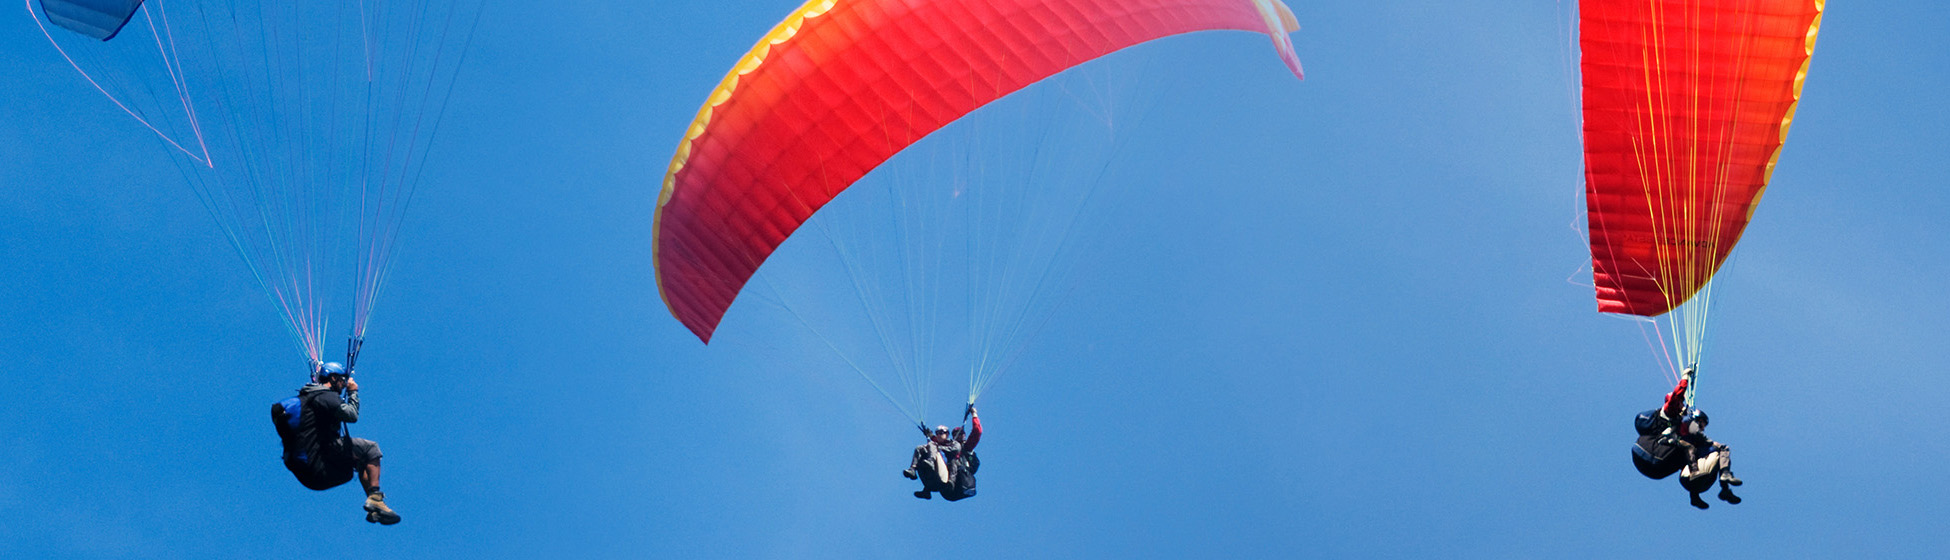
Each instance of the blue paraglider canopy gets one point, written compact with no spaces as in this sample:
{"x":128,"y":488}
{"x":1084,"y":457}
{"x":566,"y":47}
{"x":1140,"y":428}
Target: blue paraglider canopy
{"x":100,"y":19}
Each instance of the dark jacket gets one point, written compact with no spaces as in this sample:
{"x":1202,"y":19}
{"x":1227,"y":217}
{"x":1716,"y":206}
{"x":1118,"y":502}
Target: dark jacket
{"x":313,"y":450}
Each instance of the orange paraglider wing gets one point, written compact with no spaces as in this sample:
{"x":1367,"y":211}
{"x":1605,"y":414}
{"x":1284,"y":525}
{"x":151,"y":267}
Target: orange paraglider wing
{"x":842,"y":85}
{"x":1686,"y":106}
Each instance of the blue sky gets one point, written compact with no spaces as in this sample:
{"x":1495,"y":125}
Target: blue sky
{"x":1346,"y":332}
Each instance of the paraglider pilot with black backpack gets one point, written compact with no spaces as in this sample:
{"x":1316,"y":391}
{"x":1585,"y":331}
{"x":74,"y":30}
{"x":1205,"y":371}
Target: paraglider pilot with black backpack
{"x":318,"y":450}
{"x":1673,"y":439}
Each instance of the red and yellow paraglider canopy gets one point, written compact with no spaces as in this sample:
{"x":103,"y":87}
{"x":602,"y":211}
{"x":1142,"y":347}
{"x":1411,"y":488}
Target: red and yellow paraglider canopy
{"x":842,"y":85}
{"x":1686,"y":106}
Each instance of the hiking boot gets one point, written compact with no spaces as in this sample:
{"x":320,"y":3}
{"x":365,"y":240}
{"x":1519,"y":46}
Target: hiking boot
{"x":910,"y":474}
{"x":377,"y":512}
{"x":924,"y":494}
{"x":1726,"y":495}
{"x":1729,"y":480}
{"x":1699,"y":503}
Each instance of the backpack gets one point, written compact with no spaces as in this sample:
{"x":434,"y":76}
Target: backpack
{"x":284,"y":417}
{"x":285,"y":413}
{"x":1650,"y":423}
{"x":1658,"y":452}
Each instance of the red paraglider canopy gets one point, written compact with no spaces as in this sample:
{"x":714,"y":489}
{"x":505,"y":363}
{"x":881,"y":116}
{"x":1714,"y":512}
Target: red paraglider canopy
{"x":840,"y":86}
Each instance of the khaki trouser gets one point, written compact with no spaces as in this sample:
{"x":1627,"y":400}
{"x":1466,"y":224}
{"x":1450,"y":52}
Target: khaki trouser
{"x":1701,"y":472}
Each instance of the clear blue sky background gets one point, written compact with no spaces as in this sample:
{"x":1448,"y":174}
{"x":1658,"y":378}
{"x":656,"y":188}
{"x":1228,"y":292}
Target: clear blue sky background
{"x":1353,"y":336}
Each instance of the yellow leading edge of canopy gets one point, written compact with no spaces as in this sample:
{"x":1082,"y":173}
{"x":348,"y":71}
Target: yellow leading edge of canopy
{"x":1787,"y":120}
{"x":781,"y":33}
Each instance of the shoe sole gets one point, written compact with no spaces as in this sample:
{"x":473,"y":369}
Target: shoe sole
{"x":373,"y":516}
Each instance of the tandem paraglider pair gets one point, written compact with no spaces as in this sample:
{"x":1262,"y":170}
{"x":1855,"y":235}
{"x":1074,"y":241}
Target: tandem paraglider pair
{"x":1686,"y":108}
{"x":1672,"y":439}
{"x":946,"y":463}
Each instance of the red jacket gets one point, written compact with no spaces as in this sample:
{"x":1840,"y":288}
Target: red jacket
{"x":974,"y":436}
{"x":1675,"y":407}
